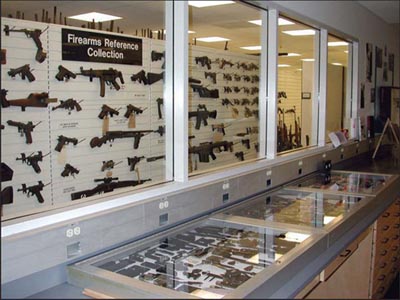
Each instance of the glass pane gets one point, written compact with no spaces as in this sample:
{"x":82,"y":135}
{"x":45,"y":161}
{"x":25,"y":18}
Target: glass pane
{"x":337,"y":72}
{"x":297,"y":110}
{"x":300,"y":208}
{"x":208,"y":260}
{"x":92,"y":104}
{"x":224,"y":68}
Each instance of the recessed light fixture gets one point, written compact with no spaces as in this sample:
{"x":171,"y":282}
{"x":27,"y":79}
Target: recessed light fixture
{"x":252,"y":48}
{"x":307,"y":59}
{"x":212,"y":39}
{"x":335,"y":44}
{"x":283,"y":66}
{"x":299,"y":32}
{"x":280,"y":22}
{"x":200,"y":4}
{"x":337,"y":64}
{"x":97,"y":17}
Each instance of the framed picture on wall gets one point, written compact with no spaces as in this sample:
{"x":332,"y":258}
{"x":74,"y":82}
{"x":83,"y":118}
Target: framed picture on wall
{"x":378,"y":57}
{"x":369,"y":49}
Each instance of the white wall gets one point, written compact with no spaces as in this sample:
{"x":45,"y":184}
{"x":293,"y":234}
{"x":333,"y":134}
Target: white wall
{"x":349,"y":19}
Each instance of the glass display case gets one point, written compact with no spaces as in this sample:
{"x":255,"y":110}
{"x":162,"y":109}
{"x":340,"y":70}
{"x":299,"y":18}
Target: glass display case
{"x":310,"y":209}
{"x":208,"y":259}
{"x":344,"y":182}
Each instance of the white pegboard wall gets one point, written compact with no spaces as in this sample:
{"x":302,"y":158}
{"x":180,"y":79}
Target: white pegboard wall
{"x":82,"y":125}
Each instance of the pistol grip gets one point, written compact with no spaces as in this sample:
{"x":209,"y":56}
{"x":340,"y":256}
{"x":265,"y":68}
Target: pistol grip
{"x":102,"y":87}
{"x":39,"y":197}
{"x":36,"y":167}
{"x":28,"y":136}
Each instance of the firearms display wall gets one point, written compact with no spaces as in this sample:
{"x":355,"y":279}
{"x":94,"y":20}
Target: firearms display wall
{"x":223,"y":92}
{"x":77,"y":139}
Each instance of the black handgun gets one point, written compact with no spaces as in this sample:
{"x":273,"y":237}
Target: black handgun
{"x":24,"y":72}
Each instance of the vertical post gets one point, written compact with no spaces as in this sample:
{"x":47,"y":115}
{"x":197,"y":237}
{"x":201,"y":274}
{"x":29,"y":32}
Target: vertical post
{"x":352,"y":89}
{"x":180,"y":85}
{"x":321,"y":85}
{"x":272,"y":105}
{"x":263,"y":112}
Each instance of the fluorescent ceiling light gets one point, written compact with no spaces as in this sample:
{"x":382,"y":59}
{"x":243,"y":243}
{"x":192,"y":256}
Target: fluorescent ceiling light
{"x":212,"y":39}
{"x":280,"y":22}
{"x":97,"y":17}
{"x":189,"y":31}
{"x":251,"y":48}
{"x":307,"y":59}
{"x":299,"y":32}
{"x":337,"y":64}
{"x":293,"y":54}
{"x":335,"y":44}
{"x":201,"y":4}
{"x":283,"y":66}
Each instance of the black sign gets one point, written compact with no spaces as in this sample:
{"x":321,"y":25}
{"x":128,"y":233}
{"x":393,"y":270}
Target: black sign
{"x":97,"y":47}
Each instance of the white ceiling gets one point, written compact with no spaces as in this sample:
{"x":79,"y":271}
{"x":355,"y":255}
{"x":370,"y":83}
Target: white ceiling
{"x":388,"y":11}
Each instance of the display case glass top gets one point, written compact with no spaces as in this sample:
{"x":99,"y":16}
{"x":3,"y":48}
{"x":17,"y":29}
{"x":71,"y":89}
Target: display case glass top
{"x":208,"y":260}
{"x":313,"y":209}
{"x":344,"y":182}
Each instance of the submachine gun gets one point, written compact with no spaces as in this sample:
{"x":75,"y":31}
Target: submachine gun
{"x":107,"y":185}
{"x":108,"y":77}
{"x":35,"y":36}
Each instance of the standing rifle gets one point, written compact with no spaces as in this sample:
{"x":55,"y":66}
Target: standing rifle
{"x":106,"y":186}
{"x":130,"y":109}
{"x":132,"y":161}
{"x":204,"y":61}
{"x":34,"y":190}
{"x":24,"y":129}
{"x":24,"y":72}
{"x":35,"y":36}
{"x":202,"y":114}
{"x":33,"y":160}
{"x":112,"y":135}
{"x":69,"y":104}
{"x":33,"y":100}
{"x":108,"y":77}
{"x":160,"y":101}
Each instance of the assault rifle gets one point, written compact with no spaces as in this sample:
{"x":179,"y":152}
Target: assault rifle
{"x":24,"y":129}
{"x":69,"y":170}
{"x":112,"y":135}
{"x":130,"y":109}
{"x":204,"y":61}
{"x":63,"y":140}
{"x":255,"y":101}
{"x":227,"y":77}
{"x":107,"y":111}
{"x":246,"y":78}
{"x":64,"y":73}
{"x":212,"y":76}
{"x":24,"y":72}
{"x":227,"y":89}
{"x":33,"y":100}
{"x":106,"y":186}
{"x":202,"y":114}
{"x":255,"y":78}
{"x":245,"y":101}
{"x":33,"y":160}
{"x":35,"y":36}
{"x":223,"y":62}
{"x":236,"y":101}
{"x":132,"y":161}
{"x":207,"y":149}
{"x":69,"y":104}
{"x":237,"y":77}
{"x":254,"y":90}
{"x":160,"y":101}
{"x":204,"y":92}
{"x":109,"y":164}
{"x":34,"y":190}
{"x":105,"y":76}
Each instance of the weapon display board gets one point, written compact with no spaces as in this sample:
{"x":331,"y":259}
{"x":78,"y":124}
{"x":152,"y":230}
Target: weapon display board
{"x":209,"y":259}
{"x":83,"y":143}
{"x":343,"y":182}
{"x":310,"y":209}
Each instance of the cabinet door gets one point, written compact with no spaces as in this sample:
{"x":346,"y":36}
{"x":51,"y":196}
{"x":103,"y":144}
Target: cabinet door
{"x":351,"y":279}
